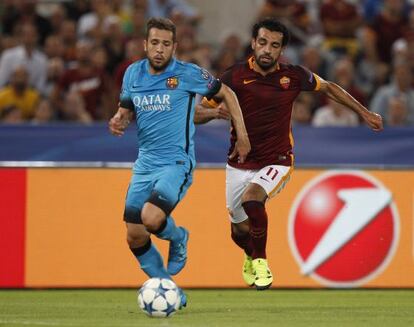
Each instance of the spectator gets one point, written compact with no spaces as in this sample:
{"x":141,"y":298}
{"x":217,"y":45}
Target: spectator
{"x":77,"y":8}
{"x":334,"y":114}
{"x":123,"y":13}
{"x":224,"y":60}
{"x":55,"y":70}
{"x":232,"y":42}
{"x":24,"y":12}
{"x":203,"y":55}
{"x":67,"y":33}
{"x":370,"y":9}
{"x":138,"y":23}
{"x":54,"y":47}
{"x":57,"y":16}
{"x":44,"y":113}
{"x":186,"y":40}
{"x":26,"y":55}
{"x":113,"y":42}
{"x":91,"y":83}
{"x":74,"y":109}
{"x":400,"y":87}
{"x":293,"y":14}
{"x":100,"y":58}
{"x":90,"y":24}
{"x":18,"y":95}
{"x":386,"y":28}
{"x":174,"y":9}
{"x":134,"y":51}
{"x":397,"y":112}
{"x":340,"y":21}
{"x":315,"y":60}
{"x":302,"y":109}
{"x":344,"y":74}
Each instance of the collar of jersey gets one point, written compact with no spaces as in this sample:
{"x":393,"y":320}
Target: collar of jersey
{"x":250,"y":63}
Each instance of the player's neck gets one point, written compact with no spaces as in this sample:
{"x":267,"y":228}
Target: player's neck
{"x":263,"y":72}
{"x":153,"y":71}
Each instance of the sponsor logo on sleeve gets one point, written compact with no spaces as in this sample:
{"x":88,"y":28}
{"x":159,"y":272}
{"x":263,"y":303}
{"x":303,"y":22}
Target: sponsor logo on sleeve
{"x":205,"y":74}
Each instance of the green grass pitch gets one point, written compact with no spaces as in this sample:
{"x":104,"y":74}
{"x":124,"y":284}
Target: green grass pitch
{"x":210,"y":308}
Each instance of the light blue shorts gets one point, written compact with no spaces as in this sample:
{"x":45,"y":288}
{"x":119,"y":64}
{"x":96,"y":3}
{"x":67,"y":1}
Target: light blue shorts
{"x":163,"y":187}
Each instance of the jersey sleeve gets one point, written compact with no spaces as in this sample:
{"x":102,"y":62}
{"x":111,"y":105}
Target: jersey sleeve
{"x":226,"y":79}
{"x":199,"y":80}
{"x":308,"y":81}
{"x":125,"y":100}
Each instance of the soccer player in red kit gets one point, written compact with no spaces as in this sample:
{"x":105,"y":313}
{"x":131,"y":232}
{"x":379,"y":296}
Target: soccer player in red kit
{"x":266,"y":90}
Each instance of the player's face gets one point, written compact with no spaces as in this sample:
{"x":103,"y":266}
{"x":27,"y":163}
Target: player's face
{"x":267,"y":48}
{"x":160,"y":48}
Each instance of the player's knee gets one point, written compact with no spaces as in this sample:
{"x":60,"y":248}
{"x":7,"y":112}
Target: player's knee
{"x":137,"y":239}
{"x":151,"y":224}
{"x":152,"y":217}
{"x":253,"y":194}
{"x":240,"y":229}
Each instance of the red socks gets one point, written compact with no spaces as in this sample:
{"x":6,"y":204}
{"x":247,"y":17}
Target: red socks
{"x":256,"y":212}
{"x":243,"y":241}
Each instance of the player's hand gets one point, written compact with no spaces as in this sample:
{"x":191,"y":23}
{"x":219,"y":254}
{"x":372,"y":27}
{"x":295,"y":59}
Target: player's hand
{"x":374,"y":121}
{"x":241,"y":149}
{"x":118,"y":124}
{"x":221,"y":112}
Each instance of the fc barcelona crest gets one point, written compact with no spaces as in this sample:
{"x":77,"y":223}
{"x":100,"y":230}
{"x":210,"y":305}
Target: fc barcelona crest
{"x":172,"y":82}
{"x":285,"y":82}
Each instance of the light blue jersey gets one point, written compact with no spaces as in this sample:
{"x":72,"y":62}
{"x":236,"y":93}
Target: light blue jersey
{"x":164,"y":108}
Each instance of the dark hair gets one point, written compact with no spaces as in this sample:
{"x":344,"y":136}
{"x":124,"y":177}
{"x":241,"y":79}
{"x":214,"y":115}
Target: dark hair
{"x":272,"y":25}
{"x":161,"y":24}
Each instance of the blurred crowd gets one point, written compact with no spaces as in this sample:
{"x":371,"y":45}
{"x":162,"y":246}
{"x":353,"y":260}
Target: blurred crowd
{"x":64,"y":60}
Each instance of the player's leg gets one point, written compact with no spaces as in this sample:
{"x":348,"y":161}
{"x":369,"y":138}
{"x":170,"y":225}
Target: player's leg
{"x":144,"y":250}
{"x":253,"y":200}
{"x":264,"y":184}
{"x":154,"y":219}
{"x":138,"y":234}
{"x":138,"y":237}
{"x":236,"y":182}
{"x":169,"y":189}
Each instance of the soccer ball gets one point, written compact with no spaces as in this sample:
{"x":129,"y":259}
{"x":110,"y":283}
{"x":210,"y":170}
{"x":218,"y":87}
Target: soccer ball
{"x":159,"y":297}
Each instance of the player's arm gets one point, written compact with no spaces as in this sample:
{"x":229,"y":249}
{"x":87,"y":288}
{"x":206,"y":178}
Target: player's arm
{"x":126,"y":108}
{"x":338,"y":94}
{"x":229,"y":98}
{"x":120,"y":121}
{"x":208,"y":110}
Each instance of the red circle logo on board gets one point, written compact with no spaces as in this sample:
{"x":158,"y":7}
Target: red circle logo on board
{"x":343,"y":228}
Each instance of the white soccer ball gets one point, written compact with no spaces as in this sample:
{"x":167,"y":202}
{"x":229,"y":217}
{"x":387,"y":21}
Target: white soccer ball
{"x":159,"y":297}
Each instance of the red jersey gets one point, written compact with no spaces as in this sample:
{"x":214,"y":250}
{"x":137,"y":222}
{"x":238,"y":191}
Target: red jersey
{"x":266,"y":103}
{"x":91,"y":87}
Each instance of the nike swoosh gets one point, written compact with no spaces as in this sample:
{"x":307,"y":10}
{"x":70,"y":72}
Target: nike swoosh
{"x":248,"y":81}
{"x":261,"y":177}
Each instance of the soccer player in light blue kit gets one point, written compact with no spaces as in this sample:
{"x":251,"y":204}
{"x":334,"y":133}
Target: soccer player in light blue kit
{"x":160,"y":91}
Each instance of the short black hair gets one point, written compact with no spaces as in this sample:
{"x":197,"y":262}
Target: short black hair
{"x":161,"y":24}
{"x":272,"y":25}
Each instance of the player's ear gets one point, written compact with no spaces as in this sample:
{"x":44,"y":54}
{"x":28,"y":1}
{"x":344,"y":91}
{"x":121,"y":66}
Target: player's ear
{"x":174,"y":47}
{"x":145,"y":45}
{"x":253,"y":44}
